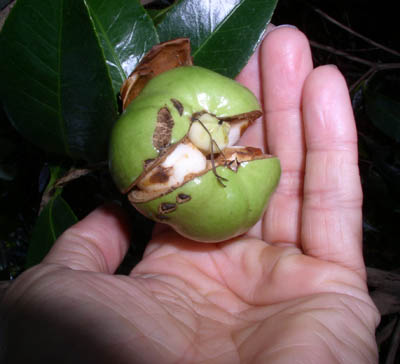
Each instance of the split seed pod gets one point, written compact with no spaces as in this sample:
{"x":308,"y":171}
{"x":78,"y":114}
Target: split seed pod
{"x":172,"y":151}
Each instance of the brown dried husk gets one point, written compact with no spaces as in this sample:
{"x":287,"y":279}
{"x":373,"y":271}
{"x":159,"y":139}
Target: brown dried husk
{"x":162,"y":57}
{"x":231,"y":158}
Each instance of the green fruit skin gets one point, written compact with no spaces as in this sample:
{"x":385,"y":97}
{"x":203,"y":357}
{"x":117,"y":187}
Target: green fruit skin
{"x":197,"y":89}
{"x":216,"y":213}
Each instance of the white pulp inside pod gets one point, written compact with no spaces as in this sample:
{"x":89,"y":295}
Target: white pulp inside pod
{"x":207,"y":134}
{"x":184,"y":160}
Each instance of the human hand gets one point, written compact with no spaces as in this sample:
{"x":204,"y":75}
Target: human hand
{"x":291,"y":290}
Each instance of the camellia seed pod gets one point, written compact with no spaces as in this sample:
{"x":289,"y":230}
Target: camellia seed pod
{"x":173,"y":153}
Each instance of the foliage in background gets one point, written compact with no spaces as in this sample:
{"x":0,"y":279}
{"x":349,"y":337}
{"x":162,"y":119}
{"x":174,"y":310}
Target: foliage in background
{"x":55,"y":217}
{"x":62,"y":64}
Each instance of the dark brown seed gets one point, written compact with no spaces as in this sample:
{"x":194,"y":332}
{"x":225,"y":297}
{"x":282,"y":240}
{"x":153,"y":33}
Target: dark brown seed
{"x":178,"y":106}
{"x":182,"y":198}
{"x":166,"y":208}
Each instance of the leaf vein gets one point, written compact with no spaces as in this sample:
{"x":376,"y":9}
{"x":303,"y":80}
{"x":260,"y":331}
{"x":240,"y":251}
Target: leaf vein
{"x":42,"y":18}
{"x":47,"y":106}
{"x":35,"y":56}
{"x":109,"y":44}
{"x":28,"y":75}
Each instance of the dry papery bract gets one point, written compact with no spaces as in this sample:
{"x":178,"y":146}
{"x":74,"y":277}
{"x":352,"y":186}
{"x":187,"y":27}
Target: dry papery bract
{"x":162,"y":57}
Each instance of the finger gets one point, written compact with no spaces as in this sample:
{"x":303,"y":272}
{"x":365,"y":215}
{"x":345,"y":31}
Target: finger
{"x":250,"y":77}
{"x":286,"y":62}
{"x":97,"y":243}
{"x":332,"y":221}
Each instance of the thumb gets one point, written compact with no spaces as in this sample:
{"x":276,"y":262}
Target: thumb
{"x":97,"y":243}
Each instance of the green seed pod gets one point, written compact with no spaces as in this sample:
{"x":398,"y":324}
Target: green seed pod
{"x":172,"y":153}
{"x":203,"y":210}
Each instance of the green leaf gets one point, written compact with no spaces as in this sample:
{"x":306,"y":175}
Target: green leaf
{"x":56,"y":172}
{"x":224,"y":34}
{"x":383,"y":104}
{"x":126,"y":33}
{"x":55,"y":218}
{"x":55,"y":84}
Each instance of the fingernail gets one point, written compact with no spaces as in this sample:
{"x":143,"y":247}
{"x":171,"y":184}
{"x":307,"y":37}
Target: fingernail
{"x":285,"y":26}
{"x":272,"y":28}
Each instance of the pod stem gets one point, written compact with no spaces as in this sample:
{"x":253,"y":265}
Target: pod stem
{"x":219,"y":178}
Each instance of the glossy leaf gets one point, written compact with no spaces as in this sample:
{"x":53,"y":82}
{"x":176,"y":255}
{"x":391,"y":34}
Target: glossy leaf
{"x":126,"y":32}
{"x":223,"y":33}
{"x":55,"y":218}
{"x":55,"y":173}
{"x":55,"y":84}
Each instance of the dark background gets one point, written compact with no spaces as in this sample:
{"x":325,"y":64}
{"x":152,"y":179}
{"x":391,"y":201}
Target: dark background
{"x":379,"y":153}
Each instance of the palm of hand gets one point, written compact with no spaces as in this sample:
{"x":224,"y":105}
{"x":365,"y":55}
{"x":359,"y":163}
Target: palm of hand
{"x":246,"y":301}
{"x":236,"y":302}
{"x":302,"y":295}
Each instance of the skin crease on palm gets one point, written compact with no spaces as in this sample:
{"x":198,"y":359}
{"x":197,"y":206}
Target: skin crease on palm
{"x":293,"y":290}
